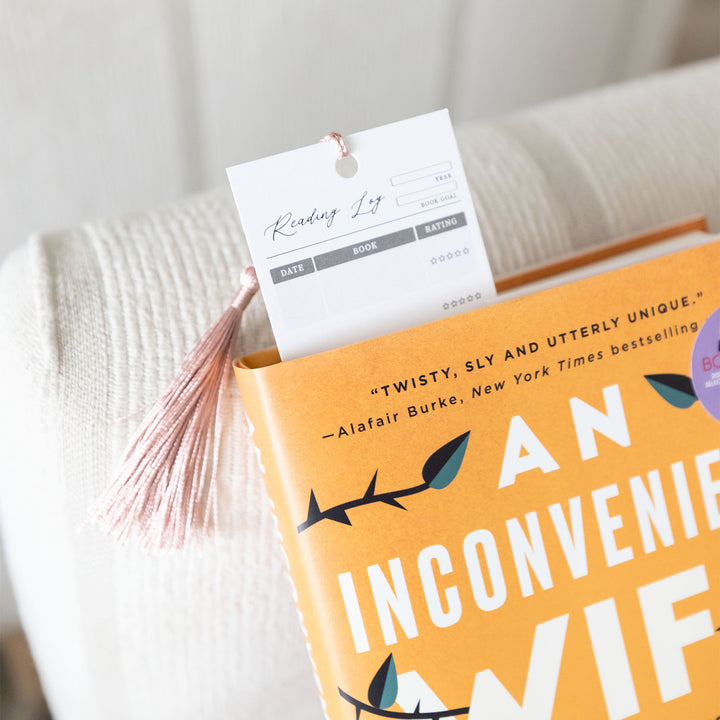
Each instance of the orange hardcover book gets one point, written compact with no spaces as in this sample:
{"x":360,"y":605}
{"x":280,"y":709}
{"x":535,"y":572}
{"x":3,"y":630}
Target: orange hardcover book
{"x":511,"y":513}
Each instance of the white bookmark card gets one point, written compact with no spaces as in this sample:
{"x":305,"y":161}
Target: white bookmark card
{"x":343,"y":259}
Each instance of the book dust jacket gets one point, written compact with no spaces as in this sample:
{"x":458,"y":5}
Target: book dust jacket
{"x":511,"y":513}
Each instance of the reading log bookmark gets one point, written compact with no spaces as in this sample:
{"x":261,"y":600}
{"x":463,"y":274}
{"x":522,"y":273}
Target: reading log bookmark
{"x":405,"y":213}
{"x":383,"y":238}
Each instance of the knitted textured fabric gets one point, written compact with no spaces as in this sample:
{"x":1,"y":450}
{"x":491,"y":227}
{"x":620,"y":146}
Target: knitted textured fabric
{"x":95,"y":321}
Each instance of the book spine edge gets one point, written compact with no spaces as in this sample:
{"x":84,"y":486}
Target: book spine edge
{"x":255,"y":407}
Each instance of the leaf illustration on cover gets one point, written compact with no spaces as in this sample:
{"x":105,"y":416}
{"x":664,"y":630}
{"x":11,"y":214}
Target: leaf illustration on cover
{"x":444,"y":464}
{"x":383,"y":689}
{"x":676,"y":389}
{"x":383,"y":692}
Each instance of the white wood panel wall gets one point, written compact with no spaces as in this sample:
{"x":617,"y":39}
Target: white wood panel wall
{"x":544,"y":49}
{"x":277,"y":75}
{"x":654,"y":34}
{"x":107,"y":106}
{"x":89,"y":99}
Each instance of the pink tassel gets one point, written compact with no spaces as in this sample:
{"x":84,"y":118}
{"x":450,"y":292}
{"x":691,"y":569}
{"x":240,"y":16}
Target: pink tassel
{"x":167,"y":481}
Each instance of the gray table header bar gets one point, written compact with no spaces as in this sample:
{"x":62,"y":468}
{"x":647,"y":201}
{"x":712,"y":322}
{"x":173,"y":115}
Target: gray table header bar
{"x":292,"y":270}
{"x":361,"y":249}
{"x":441,"y":225}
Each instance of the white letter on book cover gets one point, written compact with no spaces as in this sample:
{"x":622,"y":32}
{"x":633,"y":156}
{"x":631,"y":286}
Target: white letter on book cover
{"x":612,"y":425}
{"x":710,"y":488}
{"x":684,"y":500}
{"x":608,"y":524}
{"x":354,"y":615}
{"x":572,"y":537}
{"x":611,"y":659}
{"x":529,"y":552}
{"x":439,"y":616}
{"x":651,"y":510}
{"x":495,"y":597}
{"x":521,"y":437}
{"x":490,"y":698}
{"x":393,"y":597}
{"x":668,"y":635}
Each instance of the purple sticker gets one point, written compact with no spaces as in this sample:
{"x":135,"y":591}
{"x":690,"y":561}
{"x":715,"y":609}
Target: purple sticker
{"x":706,"y":365}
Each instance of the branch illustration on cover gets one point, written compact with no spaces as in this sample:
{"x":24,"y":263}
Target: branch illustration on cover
{"x":438,"y":472}
{"x":382,"y":694}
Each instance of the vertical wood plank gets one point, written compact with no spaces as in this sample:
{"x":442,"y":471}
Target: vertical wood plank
{"x":655,"y":35}
{"x":276,"y":75}
{"x":89,"y":99}
{"x":513,"y":54}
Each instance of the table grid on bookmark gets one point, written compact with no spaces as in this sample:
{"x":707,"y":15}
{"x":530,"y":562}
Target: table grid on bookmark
{"x":439,"y":250}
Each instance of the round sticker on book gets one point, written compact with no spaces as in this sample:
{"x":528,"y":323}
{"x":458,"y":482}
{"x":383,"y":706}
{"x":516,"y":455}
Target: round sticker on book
{"x":706,"y":365}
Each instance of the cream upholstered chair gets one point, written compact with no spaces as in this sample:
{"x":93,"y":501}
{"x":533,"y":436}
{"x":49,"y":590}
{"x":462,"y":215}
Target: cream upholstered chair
{"x":95,"y":320}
